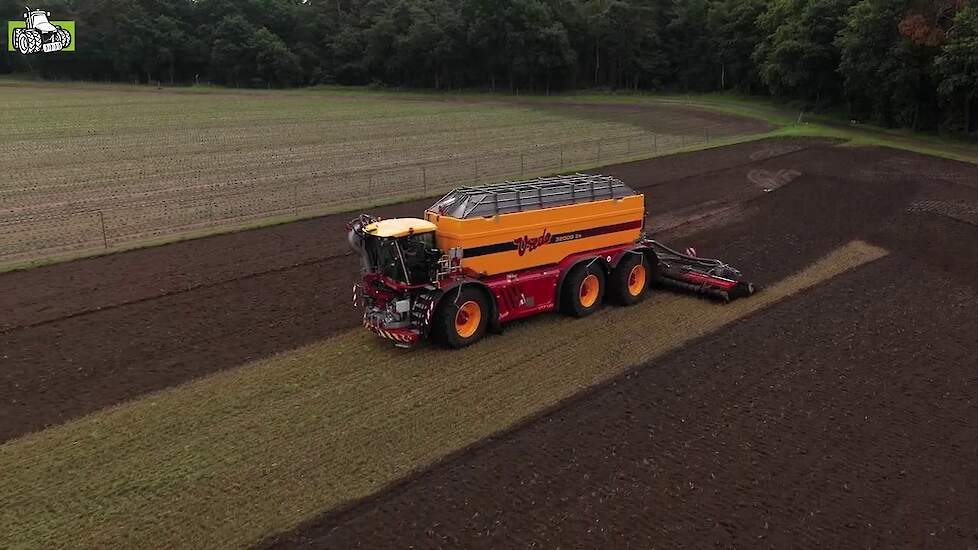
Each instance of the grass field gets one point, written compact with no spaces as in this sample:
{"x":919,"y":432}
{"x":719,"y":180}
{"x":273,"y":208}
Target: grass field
{"x":232,"y":458}
{"x":101,"y":167}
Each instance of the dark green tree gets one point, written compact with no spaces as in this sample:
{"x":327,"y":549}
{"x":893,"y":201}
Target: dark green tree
{"x":733,"y":26}
{"x":275,"y":64}
{"x":692,"y":51}
{"x":957,"y":68}
{"x":886,"y":76}
{"x":896,"y":62}
{"x":799,"y":58}
{"x":231,"y":50}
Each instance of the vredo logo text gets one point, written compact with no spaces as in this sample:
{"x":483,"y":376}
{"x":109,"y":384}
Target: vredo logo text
{"x":529,"y":244}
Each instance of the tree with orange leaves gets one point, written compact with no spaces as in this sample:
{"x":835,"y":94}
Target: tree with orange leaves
{"x":927,"y":23}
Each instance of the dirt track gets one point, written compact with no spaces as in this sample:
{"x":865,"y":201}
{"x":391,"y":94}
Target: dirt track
{"x":839,"y":416}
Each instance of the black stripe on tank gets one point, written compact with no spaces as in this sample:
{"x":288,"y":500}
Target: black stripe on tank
{"x":595,"y":231}
{"x":489,"y":249}
{"x":561,"y":238}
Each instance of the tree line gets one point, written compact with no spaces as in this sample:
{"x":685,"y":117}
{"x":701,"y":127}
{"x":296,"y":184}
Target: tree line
{"x":907,"y":63}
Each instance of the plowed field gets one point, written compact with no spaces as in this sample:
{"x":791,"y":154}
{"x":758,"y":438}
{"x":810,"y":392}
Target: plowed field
{"x":217,"y":393}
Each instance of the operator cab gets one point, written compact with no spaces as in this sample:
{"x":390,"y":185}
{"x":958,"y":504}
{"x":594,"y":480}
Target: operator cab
{"x":401,"y":249}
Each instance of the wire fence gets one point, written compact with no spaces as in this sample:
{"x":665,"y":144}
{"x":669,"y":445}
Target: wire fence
{"x":94,"y":230}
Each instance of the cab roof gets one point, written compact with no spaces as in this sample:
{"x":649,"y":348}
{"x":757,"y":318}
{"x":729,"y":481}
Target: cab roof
{"x":399,"y":227}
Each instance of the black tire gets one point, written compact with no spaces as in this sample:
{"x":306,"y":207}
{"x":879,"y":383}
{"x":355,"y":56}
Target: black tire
{"x":64,"y":37}
{"x":30,"y":42}
{"x":630,"y":280}
{"x":572,"y":293}
{"x":455,"y":306}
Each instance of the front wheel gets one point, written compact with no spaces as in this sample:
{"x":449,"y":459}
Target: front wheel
{"x":461,"y":319}
{"x":29,"y":42}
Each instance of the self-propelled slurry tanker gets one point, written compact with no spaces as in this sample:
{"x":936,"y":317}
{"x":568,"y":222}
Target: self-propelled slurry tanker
{"x":486,"y":255}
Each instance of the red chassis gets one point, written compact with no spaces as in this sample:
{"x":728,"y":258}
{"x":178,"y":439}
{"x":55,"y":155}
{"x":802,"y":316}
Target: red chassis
{"x":533,"y":291}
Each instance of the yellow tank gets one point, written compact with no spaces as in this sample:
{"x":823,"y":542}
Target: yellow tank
{"x":510,"y":227}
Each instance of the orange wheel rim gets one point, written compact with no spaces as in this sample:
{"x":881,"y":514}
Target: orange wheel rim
{"x":636,"y":280}
{"x":589,"y":290}
{"x":468,"y":318}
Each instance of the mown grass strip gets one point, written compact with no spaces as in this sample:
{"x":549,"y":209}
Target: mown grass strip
{"x":227,"y":460}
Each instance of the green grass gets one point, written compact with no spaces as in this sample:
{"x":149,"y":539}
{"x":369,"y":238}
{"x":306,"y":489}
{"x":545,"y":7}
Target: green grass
{"x":787,"y":122}
{"x":794,"y":123}
{"x":227,"y":460}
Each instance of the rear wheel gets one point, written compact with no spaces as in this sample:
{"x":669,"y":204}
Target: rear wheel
{"x":630,"y":280}
{"x":583,"y":290}
{"x":461,"y":319}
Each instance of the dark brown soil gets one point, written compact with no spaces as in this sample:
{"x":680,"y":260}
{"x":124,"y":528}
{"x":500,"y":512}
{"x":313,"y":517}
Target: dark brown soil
{"x":672,"y":119}
{"x":842,"y":417}
{"x":80,"y":336}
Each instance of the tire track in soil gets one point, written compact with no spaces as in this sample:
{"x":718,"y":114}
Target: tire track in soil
{"x":105,"y":330}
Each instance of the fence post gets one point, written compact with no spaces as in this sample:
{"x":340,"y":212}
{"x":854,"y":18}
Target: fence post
{"x":105,"y":237}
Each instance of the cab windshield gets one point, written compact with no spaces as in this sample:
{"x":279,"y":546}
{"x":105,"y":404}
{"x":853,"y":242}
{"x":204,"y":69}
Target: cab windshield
{"x":410,"y":260}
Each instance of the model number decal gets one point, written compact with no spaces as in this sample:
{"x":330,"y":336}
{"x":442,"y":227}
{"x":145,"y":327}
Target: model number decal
{"x":568,"y":237}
